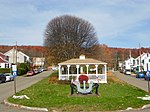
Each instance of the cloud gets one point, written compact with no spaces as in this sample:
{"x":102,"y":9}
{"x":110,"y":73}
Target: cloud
{"x":115,"y":21}
{"x":112,"y":24}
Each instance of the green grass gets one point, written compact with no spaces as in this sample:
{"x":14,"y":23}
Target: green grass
{"x":113,"y":96}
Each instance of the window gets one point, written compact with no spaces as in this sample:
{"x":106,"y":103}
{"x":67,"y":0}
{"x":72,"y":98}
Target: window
{"x":7,"y":58}
{"x":143,"y":61}
{"x":133,"y":62}
{"x":25,"y":59}
{"x":138,"y":62}
{"x":6,"y":65}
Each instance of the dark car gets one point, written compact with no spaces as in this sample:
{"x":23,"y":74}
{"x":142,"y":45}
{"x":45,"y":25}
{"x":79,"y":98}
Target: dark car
{"x":140,"y":75}
{"x":2,"y":78}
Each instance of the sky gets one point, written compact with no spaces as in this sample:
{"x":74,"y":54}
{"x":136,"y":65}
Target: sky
{"x":117,"y":23}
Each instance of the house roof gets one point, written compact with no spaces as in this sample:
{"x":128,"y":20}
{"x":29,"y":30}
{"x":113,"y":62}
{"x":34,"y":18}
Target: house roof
{"x":143,"y":55}
{"x":2,"y":55}
{"x":3,"y":60}
{"x":82,"y":61}
{"x":14,"y":50}
{"x":23,"y":54}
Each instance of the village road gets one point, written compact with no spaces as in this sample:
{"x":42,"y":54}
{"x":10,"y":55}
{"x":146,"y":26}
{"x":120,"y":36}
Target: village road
{"x":7,"y":89}
{"x":137,"y":82}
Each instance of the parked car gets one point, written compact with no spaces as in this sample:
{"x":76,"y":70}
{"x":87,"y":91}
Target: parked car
{"x":140,"y":75}
{"x":128,"y":72}
{"x":36,"y":71}
{"x":121,"y":70}
{"x":30,"y":73}
{"x":54,"y":68}
{"x":40,"y":70}
{"x":2,"y":78}
{"x":44,"y":69}
{"x":9,"y":77}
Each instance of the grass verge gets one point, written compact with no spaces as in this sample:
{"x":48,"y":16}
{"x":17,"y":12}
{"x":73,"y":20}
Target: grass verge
{"x":115,"y":95}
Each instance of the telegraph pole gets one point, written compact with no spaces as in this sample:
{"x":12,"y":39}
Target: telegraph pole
{"x":15,"y":89}
{"x":140,"y":69}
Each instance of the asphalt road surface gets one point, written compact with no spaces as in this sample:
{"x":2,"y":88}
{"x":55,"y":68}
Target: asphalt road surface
{"x":7,"y":89}
{"x":138,"y":82}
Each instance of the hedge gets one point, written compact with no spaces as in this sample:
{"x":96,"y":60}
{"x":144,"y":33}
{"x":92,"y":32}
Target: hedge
{"x":5,"y":70}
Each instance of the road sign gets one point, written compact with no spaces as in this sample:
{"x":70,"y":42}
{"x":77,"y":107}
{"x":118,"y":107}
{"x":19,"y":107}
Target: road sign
{"x":14,"y":73}
{"x":14,"y":67}
{"x":148,"y":73}
{"x":14,"y":70}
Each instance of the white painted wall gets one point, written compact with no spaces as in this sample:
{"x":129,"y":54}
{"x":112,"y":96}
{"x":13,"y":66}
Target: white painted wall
{"x":129,"y":63}
{"x":38,"y":61}
{"x":146,"y":64}
{"x":20,"y":56}
{"x":5,"y":65}
{"x":144,"y":57}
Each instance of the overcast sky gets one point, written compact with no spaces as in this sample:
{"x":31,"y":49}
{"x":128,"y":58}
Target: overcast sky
{"x":118,"y":23}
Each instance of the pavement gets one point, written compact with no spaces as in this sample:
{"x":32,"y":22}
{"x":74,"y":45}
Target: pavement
{"x":7,"y":90}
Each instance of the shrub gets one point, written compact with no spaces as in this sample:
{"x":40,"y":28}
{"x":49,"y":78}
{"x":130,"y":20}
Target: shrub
{"x":54,"y":79}
{"x":21,"y":71}
{"x":5,"y":70}
{"x":23,"y":68}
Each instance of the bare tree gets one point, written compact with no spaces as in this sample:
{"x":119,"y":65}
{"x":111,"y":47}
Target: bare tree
{"x":67,"y":37}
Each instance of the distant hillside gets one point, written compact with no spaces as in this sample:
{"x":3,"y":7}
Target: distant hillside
{"x":32,"y":51}
{"x":107,"y":54}
{"x":126,"y":51}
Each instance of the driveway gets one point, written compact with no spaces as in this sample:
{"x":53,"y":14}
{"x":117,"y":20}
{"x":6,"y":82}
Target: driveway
{"x":7,"y":89}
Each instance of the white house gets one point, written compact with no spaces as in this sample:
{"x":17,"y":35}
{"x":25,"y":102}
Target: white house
{"x":142,"y":61}
{"x":120,"y":65}
{"x":16,"y":56}
{"x":38,"y":61}
{"x":146,"y":63}
{"x":129,"y":63}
